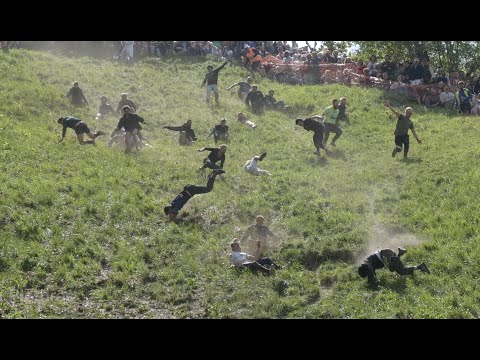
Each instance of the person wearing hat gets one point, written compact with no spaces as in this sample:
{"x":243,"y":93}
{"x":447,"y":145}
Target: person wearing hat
{"x":80,"y":128}
{"x":220,"y":131}
{"x":187,"y":193}
{"x":187,"y":135}
{"x":387,"y":258}
{"x":244,"y":88}
{"x":401,"y":131}
{"x":131,"y":123}
{"x":126,"y":101}
{"x":104,"y":109}
{"x":211,"y":80}
{"x":76,"y":95}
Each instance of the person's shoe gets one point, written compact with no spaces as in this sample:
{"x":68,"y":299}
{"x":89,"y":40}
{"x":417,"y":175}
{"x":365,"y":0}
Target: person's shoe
{"x":333,"y":144}
{"x":262,"y":156}
{"x":401,"y":252}
{"x":100,"y":132}
{"x":394,"y":152}
{"x":423,"y":268}
{"x":218,"y":171}
{"x":317,"y":152}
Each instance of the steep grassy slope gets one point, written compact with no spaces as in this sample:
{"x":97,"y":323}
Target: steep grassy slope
{"x":83,"y":233}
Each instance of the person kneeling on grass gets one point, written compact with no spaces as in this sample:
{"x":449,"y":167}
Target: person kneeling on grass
{"x":188,"y":192}
{"x":254,"y":263}
{"x":387,"y":258}
{"x":80,"y":128}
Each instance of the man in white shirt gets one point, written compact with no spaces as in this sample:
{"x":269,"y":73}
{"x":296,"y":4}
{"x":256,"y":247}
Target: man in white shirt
{"x":251,"y":166}
{"x":243,"y":260}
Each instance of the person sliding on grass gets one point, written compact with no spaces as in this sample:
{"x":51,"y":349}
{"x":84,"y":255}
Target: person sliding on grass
{"x":401,"y":131}
{"x":251,"y":165}
{"x":387,"y":258}
{"x":216,"y":154}
{"x":188,"y":192}
{"x":80,"y":128}
{"x":254,"y":263}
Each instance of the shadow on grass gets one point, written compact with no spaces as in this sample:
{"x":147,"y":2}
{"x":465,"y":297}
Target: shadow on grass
{"x":337,"y":154}
{"x":412,"y":161}
{"x":398,"y":284}
{"x":318,"y":160}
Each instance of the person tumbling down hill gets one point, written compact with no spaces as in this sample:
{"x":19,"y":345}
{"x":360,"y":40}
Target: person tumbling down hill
{"x":253,"y":263}
{"x":252,"y":168}
{"x":242,"y":118}
{"x":317,"y":127}
{"x":387,"y":258}
{"x":216,"y":155}
{"x":187,"y":193}
{"x":187,"y":135}
{"x":80,"y":128}
{"x":401,"y":131}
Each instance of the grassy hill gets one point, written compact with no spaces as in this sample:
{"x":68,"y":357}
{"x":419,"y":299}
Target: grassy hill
{"x":82,"y":229}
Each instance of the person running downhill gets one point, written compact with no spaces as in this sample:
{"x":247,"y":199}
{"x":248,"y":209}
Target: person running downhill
{"x":211,"y":79}
{"x":401,"y":131}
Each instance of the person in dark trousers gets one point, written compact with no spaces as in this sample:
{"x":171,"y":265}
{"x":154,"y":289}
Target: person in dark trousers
{"x":244,"y":88}
{"x":76,"y":95}
{"x":187,"y":193}
{"x":272,"y":103}
{"x":253,"y":263}
{"x":387,"y":258}
{"x":104,"y":109}
{"x":463,"y":99}
{"x":131,"y":123}
{"x":211,"y":79}
{"x":255,"y":101}
{"x":220,"y":131}
{"x":80,"y":128}
{"x":216,"y":154}
{"x":342,"y":110}
{"x":126,"y":101}
{"x":401,"y":131}
{"x":310,"y":124}
{"x":330,"y":117}
{"x":187,"y":135}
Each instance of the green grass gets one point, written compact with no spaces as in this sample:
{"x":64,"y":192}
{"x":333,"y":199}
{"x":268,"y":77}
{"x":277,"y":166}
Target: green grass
{"x":82,"y":229}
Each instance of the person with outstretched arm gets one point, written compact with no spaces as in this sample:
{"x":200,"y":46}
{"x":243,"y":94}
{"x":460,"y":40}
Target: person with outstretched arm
{"x":310,"y":124}
{"x":211,"y":80}
{"x":216,"y":155}
{"x":404,"y":123}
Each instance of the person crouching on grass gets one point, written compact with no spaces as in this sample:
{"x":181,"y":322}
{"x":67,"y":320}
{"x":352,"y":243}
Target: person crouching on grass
{"x":80,"y":128}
